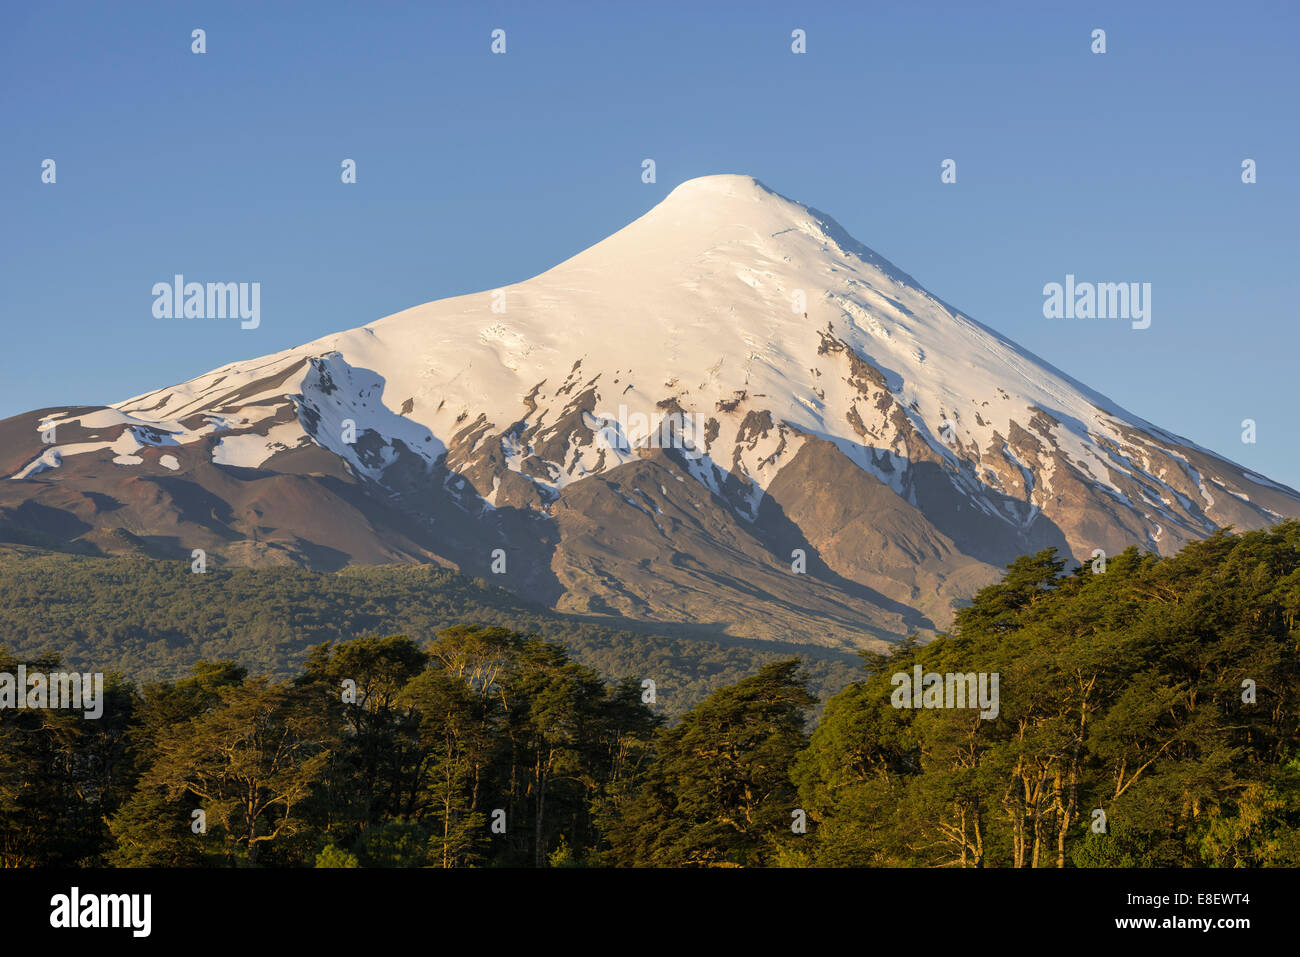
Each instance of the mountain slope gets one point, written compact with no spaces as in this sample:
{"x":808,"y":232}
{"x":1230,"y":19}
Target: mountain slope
{"x":823,"y":401}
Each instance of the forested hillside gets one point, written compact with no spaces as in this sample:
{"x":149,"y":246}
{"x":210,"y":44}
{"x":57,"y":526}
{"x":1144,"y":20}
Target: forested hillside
{"x":1147,"y":715}
{"x":148,"y":619}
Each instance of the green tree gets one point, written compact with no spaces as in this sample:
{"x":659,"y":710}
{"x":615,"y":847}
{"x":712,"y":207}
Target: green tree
{"x":719,"y":790}
{"x":250,"y":764}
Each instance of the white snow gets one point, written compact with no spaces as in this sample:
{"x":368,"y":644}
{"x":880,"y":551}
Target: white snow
{"x":249,"y":450}
{"x":695,"y":300}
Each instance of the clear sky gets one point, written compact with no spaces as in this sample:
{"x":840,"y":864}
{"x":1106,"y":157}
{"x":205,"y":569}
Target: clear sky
{"x":477,"y":170}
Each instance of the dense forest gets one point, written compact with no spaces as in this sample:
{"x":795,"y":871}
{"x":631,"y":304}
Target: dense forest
{"x":1148,"y":714}
{"x":153,"y":619}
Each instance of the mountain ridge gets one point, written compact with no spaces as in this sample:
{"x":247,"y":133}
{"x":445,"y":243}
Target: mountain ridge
{"x":513,"y":432}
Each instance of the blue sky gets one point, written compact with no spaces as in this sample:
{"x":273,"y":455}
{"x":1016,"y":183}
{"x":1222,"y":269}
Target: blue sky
{"x":475,"y":171}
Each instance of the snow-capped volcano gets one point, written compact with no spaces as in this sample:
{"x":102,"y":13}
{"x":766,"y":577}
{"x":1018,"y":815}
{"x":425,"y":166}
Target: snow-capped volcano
{"x":823,"y":401}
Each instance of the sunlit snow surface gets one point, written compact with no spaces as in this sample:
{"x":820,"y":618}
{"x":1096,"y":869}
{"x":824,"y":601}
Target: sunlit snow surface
{"x":698,"y":301}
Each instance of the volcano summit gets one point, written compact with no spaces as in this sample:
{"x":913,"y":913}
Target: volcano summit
{"x":858,"y":457}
